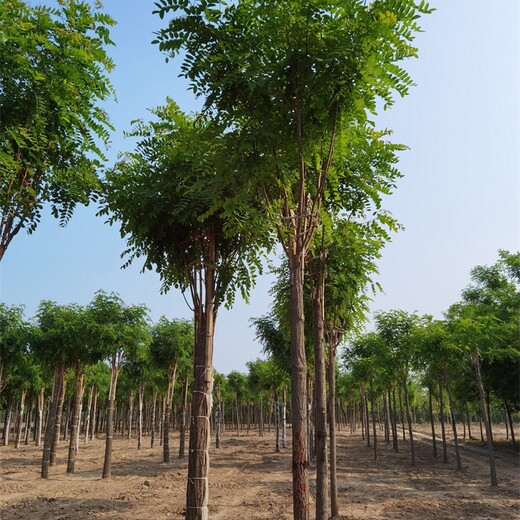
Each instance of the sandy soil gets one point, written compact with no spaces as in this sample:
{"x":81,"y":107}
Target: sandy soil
{"x":250,"y":481}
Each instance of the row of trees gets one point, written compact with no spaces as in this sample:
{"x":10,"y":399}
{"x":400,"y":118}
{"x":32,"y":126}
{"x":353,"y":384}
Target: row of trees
{"x":91,"y":345}
{"x":470,"y":356}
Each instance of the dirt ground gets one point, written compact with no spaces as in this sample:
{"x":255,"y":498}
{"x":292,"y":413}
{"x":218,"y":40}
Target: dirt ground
{"x":248,"y":480}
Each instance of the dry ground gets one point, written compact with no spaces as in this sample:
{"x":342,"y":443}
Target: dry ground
{"x":249,"y":481}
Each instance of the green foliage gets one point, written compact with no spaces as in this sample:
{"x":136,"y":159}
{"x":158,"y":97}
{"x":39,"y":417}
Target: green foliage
{"x":172,"y":343}
{"x":53,"y":75}
{"x":171,"y":198}
{"x":117,"y":330}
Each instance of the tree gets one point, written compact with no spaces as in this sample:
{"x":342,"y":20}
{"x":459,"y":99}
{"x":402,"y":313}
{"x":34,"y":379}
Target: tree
{"x":53,"y":70}
{"x":172,"y":345}
{"x":118,"y":330}
{"x":172,"y":200}
{"x":285,"y":75}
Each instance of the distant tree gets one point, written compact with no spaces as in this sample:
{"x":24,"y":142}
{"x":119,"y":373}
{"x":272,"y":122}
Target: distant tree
{"x":118,"y":330}
{"x":53,"y":77}
{"x":172,"y":346}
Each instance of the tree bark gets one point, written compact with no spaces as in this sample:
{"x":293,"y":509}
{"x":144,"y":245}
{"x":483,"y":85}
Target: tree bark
{"x":197,"y":492}
{"x":59,"y":373}
{"x":409,"y":419}
{"x":75,"y":419}
{"x":89,"y":411}
{"x":483,"y":411}
{"x":454,"y":425}
{"x":320,"y":384}
{"x":432,"y":424}
{"x":19,"y":419}
{"x":372,"y":405}
{"x":172,"y":374}
{"x":57,"y":426}
{"x":153,"y":418}
{"x":443,"y":428}
{"x":334,"y":503}
{"x":300,"y":458}
{"x":109,"y":435}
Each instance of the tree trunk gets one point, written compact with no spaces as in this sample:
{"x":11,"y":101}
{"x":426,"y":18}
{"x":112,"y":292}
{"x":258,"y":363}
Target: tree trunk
{"x":19,"y":419}
{"x":89,"y":411}
{"x":153,"y":418}
{"x":432,"y":424}
{"x":59,"y":411}
{"x":372,"y":405}
{"x":59,"y":379}
{"x":300,"y":458}
{"x":109,"y":435}
{"x":39,"y":418}
{"x":140,"y":394}
{"x":276,"y":424}
{"x":172,"y":374}
{"x":395,"y":435}
{"x":320,"y":384}
{"x":443,"y":428}
{"x":454,"y":425}
{"x":284,"y":418}
{"x":483,"y":411}
{"x":334,"y":503}
{"x":130,"y":418}
{"x":78,"y":394}
{"x":409,"y":419}
{"x":510,"y":419}
{"x":197,"y":492}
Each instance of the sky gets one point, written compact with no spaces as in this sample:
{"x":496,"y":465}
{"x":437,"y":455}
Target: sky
{"x":458,"y":200}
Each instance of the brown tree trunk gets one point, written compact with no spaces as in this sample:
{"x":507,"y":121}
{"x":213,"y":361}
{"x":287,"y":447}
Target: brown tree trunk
{"x":197,"y":492}
{"x":89,"y":411}
{"x":153,"y":418}
{"x":320,"y":384}
{"x":432,"y":424}
{"x":409,"y":419}
{"x":75,"y":419}
{"x":510,"y":419}
{"x":59,"y":378}
{"x":140,"y":394}
{"x":172,"y":373}
{"x":443,"y":428}
{"x":19,"y":419}
{"x":453,"y":425}
{"x":109,"y":435}
{"x":59,"y":411}
{"x":39,"y":418}
{"x":334,"y":503}
{"x":372,"y":405}
{"x":483,"y":411}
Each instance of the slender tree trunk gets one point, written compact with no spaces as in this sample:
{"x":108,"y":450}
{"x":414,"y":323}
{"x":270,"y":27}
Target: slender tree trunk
{"x":409,"y":419}
{"x":276,"y":424}
{"x":454,"y":425}
{"x":59,"y":373}
{"x":89,"y":411}
{"x":153,"y":418}
{"x":172,"y":374}
{"x":184,"y":406}
{"x":386,"y":418}
{"x":334,"y":503}
{"x":395,"y":435}
{"x":483,"y":411}
{"x":443,"y":428}
{"x":320,"y":384}
{"x":59,"y":411}
{"x":39,"y":419}
{"x":95,"y":414}
{"x":130,"y":418}
{"x":432,"y":424}
{"x":372,"y":404}
{"x":468,"y":418}
{"x":140,"y":396}
{"x":109,"y":435}
{"x":78,"y":394}
{"x":510,"y":419}
{"x":261,"y":418}
{"x":19,"y":419}
{"x":284,"y":418}
{"x":7,"y":421}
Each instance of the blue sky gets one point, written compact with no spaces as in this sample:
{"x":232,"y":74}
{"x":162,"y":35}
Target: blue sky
{"x":459,"y":199}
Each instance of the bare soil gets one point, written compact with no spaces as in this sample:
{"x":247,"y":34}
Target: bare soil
{"x":248,"y":480}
